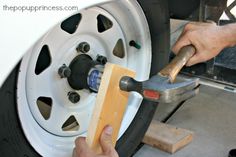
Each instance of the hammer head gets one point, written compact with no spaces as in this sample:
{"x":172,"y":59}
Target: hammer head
{"x":159,"y":88}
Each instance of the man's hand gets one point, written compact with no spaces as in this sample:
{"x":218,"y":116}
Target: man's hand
{"x":208,"y":39}
{"x":82,"y":149}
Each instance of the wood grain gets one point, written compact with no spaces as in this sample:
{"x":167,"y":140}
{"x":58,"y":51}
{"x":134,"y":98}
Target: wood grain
{"x":174,"y":67}
{"x":110,"y":105}
{"x":166,"y":137}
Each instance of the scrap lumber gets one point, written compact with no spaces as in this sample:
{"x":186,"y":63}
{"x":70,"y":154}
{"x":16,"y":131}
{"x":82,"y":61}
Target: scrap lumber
{"x":110,"y":105}
{"x":167,"y":137}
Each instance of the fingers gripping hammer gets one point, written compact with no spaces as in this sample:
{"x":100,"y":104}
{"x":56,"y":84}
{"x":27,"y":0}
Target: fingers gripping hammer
{"x":161,"y":87}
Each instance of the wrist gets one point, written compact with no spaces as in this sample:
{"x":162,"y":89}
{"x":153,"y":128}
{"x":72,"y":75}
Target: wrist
{"x":228,"y":35}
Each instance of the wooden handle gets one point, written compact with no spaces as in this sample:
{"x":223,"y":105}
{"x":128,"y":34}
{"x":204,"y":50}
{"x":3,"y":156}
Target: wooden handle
{"x":173,"y":68}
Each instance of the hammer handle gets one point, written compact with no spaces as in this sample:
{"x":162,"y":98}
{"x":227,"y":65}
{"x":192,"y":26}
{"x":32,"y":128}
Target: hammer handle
{"x":174,"y":67}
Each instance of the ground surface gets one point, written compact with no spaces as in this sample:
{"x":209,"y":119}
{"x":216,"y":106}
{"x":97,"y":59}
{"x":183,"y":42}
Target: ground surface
{"x":211,"y":115}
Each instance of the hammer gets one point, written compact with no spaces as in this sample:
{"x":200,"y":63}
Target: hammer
{"x":111,"y":102}
{"x":161,"y":87}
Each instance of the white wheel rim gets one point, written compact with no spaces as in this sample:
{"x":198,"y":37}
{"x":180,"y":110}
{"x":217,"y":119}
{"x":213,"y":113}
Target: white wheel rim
{"x":47,"y":136}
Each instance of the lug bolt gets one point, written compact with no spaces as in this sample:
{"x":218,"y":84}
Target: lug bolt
{"x":101,"y":59}
{"x":73,"y":97}
{"x":64,"y":71}
{"x":83,"y":47}
{"x":134,"y":44}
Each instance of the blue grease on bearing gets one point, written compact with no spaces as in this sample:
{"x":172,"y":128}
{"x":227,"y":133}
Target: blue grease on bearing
{"x":93,"y":80}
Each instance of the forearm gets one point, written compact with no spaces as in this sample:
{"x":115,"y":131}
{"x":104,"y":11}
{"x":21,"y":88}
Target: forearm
{"x":229,"y":34}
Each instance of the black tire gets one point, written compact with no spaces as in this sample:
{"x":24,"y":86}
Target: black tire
{"x":157,"y":15}
{"x":12,"y":140}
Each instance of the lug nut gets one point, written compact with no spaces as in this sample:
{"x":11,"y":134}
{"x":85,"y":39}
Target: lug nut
{"x":134,"y":44}
{"x":73,"y":97}
{"x":83,"y":47}
{"x":64,"y":71}
{"x":101,"y":59}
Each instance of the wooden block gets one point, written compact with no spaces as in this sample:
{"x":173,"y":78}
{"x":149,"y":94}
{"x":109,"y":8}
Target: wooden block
{"x":166,"y":137}
{"x":110,"y":105}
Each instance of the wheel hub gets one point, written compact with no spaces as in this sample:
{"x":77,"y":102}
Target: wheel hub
{"x":86,"y":73}
{"x":80,"y":67}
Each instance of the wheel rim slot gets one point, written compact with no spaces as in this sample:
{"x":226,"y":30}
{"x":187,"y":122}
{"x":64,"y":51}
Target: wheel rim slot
{"x":71,"y":24}
{"x":43,"y":61}
{"x":70,"y":124}
{"x":103,"y":23}
{"x":45,"y":106}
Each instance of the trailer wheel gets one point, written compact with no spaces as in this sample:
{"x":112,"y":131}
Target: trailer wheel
{"x":42,"y":111}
